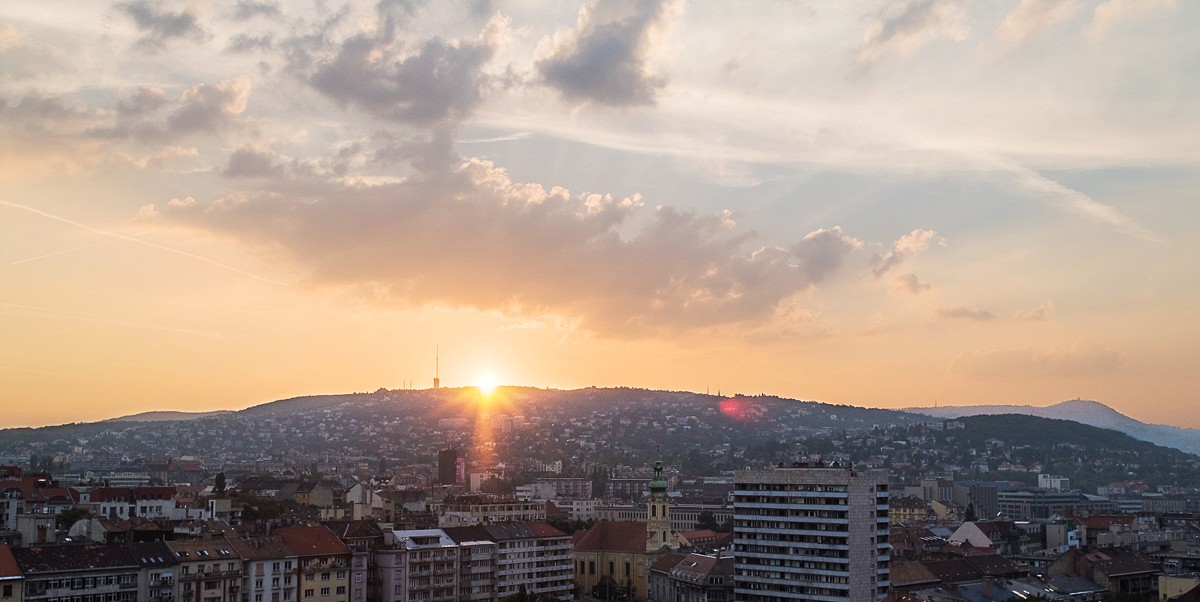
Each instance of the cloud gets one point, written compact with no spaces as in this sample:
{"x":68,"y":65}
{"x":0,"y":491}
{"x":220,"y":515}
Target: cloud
{"x":211,"y":108}
{"x":472,"y":237}
{"x":604,"y":58}
{"x":1079,"y":360}
{"x":967,"y":313}
{"x":242,"y":43}
{"x":1045,"y":311}
{"x":442,"y":81}
{"x":248,"y":9}
{"x":250,"y":162}
{"x":912,"y":25}
{"x":1111,"y":13}
{"x":1082,"y":204}
{"x":160,"y":26}
{"x":908,"y":246}
{"x":909,"y":283}
{"x":1032,"y":16}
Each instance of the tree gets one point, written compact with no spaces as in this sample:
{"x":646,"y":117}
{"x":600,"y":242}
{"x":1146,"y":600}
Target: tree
{"x":707,"y":520}
{"x":495,"y":485}
{"x":219,"y":485}
{"x":971,"y":516}
{"x":70,"y":516}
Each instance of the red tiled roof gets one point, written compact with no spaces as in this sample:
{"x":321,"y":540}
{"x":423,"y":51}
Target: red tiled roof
{"x":552,"y":510}
{"x":8,"y":564}
{"x":1192,"y":595}
{"x":32,"y":492}
{"x":617,"y":536}
{"x":910,"y":572}
{"x":667,"y":562}
{"x":1102,"y":522}
{"x":312,"y":540}
{"x":545,"y":530}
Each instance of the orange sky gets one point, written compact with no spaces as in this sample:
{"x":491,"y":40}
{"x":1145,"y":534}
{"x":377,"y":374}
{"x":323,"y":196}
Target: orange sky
{"x":879,"y":204}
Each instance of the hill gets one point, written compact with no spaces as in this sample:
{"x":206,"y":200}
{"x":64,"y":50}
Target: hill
{"x":164,"y":416}
{"x":1092,"y":413}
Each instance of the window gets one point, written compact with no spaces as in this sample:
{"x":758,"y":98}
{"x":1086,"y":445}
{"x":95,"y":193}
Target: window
{"x":341,"y":589}
{"x":324,"y":591}
{"x":324,"y":576}
{"x":341,"y":574}
{"x":8,"y":591}
{"x":309,"y":577}
{"x":308,"y":593}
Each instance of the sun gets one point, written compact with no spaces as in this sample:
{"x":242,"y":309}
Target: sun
{"x":486,"y":384}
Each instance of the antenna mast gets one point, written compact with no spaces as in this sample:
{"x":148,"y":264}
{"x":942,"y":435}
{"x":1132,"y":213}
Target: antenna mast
{"x":437,"y":359}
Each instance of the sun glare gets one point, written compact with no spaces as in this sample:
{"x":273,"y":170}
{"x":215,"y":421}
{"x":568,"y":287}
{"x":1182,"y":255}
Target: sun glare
{"x":487,"y":384}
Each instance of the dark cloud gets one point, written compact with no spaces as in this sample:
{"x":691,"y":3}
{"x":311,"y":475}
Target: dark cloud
{"x":967,"y":313}
{"x":160,"y":26}
{"x":249,"y":162}
{"x":442,"y":81}
{"x":243,"y":43}
{"x":248,"y":9}
{"x":210,"y":108}
{"x":603,"y":60}
{"x":471,"y":237}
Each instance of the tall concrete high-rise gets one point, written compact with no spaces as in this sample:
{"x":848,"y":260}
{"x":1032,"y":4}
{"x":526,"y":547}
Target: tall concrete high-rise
{"x":452,"y":467}
{"x":811,"y":533}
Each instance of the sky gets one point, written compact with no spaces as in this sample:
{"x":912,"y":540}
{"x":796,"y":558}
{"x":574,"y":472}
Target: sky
{"x":210,"y":205}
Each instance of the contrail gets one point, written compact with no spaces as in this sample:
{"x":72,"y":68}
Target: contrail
{"x":139,"y":241}
{"x":56,"y":253}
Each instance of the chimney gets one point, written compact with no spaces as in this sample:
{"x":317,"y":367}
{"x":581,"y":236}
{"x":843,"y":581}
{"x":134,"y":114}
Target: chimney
{"x":989,"y":587}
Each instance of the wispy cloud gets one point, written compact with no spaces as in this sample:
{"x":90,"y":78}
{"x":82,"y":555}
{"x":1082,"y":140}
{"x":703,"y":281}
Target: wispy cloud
{"x":977,"y":314}
{"x":1111,"y":13}
{"x":910,"y":25}
{"x":135,"y":240}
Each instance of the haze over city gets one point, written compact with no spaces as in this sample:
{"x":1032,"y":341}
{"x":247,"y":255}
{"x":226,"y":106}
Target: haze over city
{"x":887,"y":204}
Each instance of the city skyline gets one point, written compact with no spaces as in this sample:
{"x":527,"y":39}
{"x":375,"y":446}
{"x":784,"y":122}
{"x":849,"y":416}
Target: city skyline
{"x":215,"y":205}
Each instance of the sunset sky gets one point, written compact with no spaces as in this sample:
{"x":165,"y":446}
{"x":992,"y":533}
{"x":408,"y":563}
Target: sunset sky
{"x":210,"y":205}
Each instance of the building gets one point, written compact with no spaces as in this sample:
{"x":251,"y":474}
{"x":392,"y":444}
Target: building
{"x":12,"y":582}
{"x":477,"y":510}
{"x":811,"y":533}
{"x":1119,"y":570}
{"x":569,"y":487}
{"x":691,"y":578}
{"x":614,"y":557}
{"x":97,"y":573}
{"x":210,"y":569}
{"x":1042,"y":504}
{"x":909,"y":509}
{"x":128,"y":502}
{"x":530,"y":557}
{"x":269,"y":569}
{"x":423,"y":565}
{"x":683,"y":516}
{"x":1052,"y":482}
{"x":323,"y":561}
{"x":452,"y":467}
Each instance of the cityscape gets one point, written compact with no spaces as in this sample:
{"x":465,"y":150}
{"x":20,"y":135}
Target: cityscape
{"x":594,"y":300}
{"x":514,"y":493}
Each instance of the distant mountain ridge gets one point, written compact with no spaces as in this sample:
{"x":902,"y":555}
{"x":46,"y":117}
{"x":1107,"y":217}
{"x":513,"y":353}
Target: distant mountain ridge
{"x":1083,"y":411}
{"x":166,"y":416}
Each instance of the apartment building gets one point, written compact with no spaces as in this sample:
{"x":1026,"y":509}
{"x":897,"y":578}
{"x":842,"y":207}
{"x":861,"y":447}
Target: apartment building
{"x":811,"y":533}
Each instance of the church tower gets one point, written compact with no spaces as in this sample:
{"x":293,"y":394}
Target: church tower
{"x":658,"y":511}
